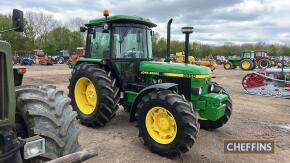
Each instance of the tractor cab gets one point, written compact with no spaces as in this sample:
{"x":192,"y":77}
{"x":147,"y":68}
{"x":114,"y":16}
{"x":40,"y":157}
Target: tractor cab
{"x":248,"y":55}
{"x":123,"y":40}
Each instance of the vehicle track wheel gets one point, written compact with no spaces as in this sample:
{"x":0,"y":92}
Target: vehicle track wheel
{"x":228,"y":65}
{"x":167,"y":123}
{"x":94,"y":94}
{"x":264,"y":63}
{"x":45,"y":111}
{"x":246,"y":64}
{"x":211,"y":125}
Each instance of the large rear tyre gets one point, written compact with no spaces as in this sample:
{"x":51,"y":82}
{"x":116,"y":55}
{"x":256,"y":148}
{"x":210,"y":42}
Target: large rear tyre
{"x":246,"y":64}
{"x":94,"y":94}
{"x":167,"y":123}
{"x":264,"y":63}
{"x":211,"y":125}
{"x":45,"y":111}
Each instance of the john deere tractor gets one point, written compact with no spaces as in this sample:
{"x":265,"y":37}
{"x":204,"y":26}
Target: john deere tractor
{"x":246,"y":61}
{"x":169,"y":101}
{"x":36,"y":122}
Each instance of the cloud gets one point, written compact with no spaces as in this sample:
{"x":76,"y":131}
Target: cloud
{"x":215,"y":22}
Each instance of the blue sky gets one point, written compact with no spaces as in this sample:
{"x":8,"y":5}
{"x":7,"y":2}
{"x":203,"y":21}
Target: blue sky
{"x":215,"y":21}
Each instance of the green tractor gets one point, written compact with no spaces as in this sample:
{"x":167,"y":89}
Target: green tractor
{"x":169,"y":101}
{"x":246,"y":61}
{"x":36,"y":122}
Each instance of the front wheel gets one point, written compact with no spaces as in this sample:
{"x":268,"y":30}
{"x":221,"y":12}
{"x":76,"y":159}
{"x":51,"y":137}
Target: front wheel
{"x":210,"y":125}
{"x":167,"y":123}
{"x":228,"y":65}
{"x":45,"y":111}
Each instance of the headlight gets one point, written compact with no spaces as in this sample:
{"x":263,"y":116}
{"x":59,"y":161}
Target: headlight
{"x":196,"y":91}
{"x":211,"y":87}
{"x":33,"y":147}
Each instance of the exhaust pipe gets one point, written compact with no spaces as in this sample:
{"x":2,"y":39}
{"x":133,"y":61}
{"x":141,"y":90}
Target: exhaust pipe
{"x":168,"y":40}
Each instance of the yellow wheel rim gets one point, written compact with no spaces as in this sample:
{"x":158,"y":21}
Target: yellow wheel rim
{"x":85,"y":95}
{"x":246,"y":65}
{"x":227,"y":66}
{"x":273,"y":62}
{"x":161,"y":125}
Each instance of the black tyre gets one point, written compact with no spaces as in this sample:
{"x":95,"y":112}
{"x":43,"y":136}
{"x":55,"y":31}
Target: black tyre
{"x":45,"y":111}
{"x":246,"y":64}
{"x":228,"y":65}
{"x":210,"y":125}
{"x":264,"y":63}
{"x":254,"y":66}
{"x":177,"y":131}
{"x":100,"y":105}
{"x":60,"y":60}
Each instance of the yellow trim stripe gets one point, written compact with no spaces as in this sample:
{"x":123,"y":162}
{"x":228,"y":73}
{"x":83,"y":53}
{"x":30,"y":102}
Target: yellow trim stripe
{"x":172,"y":75}
{"x":203,"y":76}
{"x":178,"y":75}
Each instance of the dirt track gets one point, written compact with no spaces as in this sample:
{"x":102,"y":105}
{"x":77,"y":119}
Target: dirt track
{"x":253,"y":117}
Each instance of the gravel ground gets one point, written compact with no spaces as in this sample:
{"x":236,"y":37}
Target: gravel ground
{"x":253,"y":117}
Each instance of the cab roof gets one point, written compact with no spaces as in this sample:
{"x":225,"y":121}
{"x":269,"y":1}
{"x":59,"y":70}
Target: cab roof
{"x":122,"y":19}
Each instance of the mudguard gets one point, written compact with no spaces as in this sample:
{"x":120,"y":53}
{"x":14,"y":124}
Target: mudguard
{"x":145,"y":91}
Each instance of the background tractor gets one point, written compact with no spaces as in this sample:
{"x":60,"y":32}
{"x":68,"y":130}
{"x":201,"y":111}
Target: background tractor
{"x":39,"y":57}
{"x":263,"y":60}
{"x":80,"y":52}
{"x":246,"y":61}
{"x":170,"y":101}
{"x":36,"y":122}
{"x":208,"y":62}
{"x":62,"y":57}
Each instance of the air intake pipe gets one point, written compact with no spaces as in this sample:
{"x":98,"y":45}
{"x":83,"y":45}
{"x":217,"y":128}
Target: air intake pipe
{"x":168,"y":40}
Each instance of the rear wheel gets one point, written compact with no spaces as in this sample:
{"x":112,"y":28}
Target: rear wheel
{"x":228,"y":65}
{"x":94,"y":94}
{"x":264,"y":63}
{"x":210,"y":125}
{"x":60,"y":60}
{"x":45,"y":111}
{"x":167,"y":123}
{"x":246,"y":64}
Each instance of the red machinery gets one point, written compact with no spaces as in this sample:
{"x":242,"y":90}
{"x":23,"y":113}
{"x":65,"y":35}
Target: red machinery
{"x":80,"y":52}
{"x":263,"y":60}
{"x":41,"y":58}
{"x":270,"y":82}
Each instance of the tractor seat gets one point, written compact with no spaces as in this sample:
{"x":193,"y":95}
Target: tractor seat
{"x":136,"y":86}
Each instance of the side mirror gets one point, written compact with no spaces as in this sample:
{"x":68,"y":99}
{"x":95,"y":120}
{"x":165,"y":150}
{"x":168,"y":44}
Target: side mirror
{"x":17,"y":20}
{"x":83,"y":29}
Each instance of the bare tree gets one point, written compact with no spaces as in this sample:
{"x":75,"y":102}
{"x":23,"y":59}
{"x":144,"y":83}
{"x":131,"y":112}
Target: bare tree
{"x":75,"y":23}
{"x":41,"y":22}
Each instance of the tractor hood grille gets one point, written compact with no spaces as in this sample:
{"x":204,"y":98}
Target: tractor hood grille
{"x":3,"y":90}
